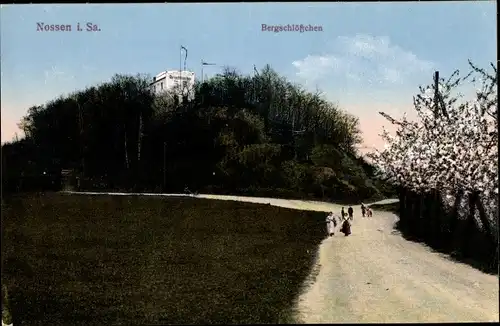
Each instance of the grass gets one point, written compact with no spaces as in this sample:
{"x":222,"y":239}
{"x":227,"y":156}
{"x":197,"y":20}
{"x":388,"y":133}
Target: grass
{"x":103,"y":260}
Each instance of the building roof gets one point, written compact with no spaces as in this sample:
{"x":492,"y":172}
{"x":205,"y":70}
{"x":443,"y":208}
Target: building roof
{"x":163,"y":75}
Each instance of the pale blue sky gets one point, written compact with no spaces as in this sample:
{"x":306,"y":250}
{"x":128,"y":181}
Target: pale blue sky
{"x":369,"y":56}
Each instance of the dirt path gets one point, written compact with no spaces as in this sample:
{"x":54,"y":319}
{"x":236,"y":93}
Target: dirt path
{"x":374,"y":275}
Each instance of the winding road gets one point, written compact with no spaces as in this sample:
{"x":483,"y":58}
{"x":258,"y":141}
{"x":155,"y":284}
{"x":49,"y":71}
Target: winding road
{"x":375,"y":275}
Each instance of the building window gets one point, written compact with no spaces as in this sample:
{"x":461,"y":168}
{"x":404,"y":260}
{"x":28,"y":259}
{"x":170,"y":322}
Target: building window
{"x":184,"y":83}
{"x":161,"y":85}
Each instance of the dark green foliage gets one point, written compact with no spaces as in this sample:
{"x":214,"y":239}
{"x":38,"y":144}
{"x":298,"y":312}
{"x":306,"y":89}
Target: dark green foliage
{"x":239,"y":132}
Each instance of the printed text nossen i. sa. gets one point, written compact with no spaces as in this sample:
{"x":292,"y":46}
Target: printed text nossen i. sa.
{"x":88,"y":27}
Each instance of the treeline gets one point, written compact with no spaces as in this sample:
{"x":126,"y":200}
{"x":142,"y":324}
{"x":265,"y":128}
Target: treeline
{"x":256,"y":135}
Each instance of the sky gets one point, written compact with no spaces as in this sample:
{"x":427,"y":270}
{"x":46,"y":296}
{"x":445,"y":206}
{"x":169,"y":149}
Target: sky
{"x":365,"y":57}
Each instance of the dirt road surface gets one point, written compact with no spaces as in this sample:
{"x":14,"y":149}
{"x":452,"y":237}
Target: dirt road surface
{"x":374,"y":275}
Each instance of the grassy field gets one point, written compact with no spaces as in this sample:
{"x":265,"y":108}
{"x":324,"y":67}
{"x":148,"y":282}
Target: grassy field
{"x":102,"y":260}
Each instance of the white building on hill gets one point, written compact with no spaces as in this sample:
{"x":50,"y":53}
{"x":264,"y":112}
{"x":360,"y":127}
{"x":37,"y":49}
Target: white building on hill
{"x":180,"y":82}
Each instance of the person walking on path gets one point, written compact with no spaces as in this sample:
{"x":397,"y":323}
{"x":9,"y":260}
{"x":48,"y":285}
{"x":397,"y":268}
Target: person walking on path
{"x":331,"y":223}
{"x":345,"y":226}
{"x":342,"y":212}
{"x":363,"y":209}
{"x":350,"y":211}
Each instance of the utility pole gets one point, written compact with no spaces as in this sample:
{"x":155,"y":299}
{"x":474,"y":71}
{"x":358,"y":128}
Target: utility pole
{"x":438,"y":99}
{"x":436,"y":94}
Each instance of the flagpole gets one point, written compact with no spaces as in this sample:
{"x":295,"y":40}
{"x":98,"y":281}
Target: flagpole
{"x":180,"y":72}
{"x":185,"y":58}
{"x":180,"y":67}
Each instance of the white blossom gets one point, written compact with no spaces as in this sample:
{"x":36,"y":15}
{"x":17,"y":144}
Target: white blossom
{"x":448,"y":153}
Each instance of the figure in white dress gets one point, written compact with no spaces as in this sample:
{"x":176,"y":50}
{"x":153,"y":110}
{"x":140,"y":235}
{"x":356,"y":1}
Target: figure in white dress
{"x":331,"y":223}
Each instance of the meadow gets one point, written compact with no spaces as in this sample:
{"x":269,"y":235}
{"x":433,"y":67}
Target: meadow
{"x":104,"y":260}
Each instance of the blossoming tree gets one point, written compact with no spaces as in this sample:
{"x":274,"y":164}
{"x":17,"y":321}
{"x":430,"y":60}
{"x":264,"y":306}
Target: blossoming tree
{"x":452,"y":148}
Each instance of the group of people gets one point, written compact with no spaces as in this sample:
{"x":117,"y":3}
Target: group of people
{"x":345,"y":219}
{"x":366,"y":211}
{"x":331,"y":222}
{"x":350,"y":212}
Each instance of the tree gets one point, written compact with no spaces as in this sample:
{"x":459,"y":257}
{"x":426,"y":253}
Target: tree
{"x":455,"y":154}
{"x":238,"y":132}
